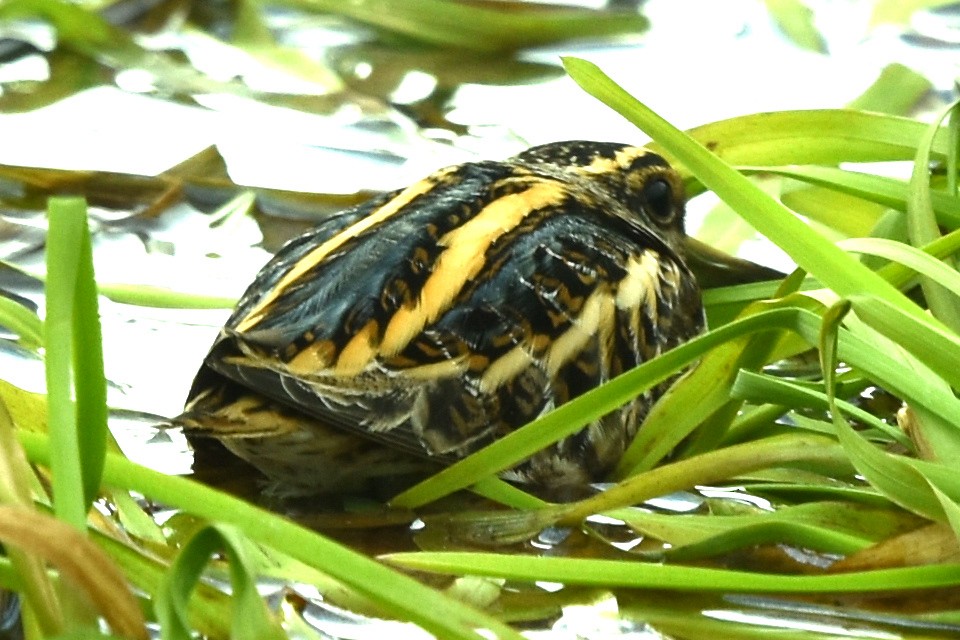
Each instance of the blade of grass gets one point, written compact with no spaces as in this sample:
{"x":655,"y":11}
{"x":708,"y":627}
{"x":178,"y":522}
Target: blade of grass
{"x":76,"y":467}
{"x":899,"y":11}
{"x":397,"y":594}
{"x":743,"y":294}
{"x":953,"y":151}
{"x":89,"y":380}
{"x":79,"y":560}
{"x":161,"y":297}
{"x":572,"y":416}
{"x":817,"y":137}
{"x":148,"y":295}
{"x":39,"y":597}
{"x":503,"y":527}
{"x":936,"y":348}
{"x":76,"y":386}
{"x":821,"y":259}
{"x":889,"y":192}
{"x":478,"y":26}
{"x":913,"y":484}
{"x":506,"y":494}
{"x":707,"y":468}
{"x":866,"y":523}
{"x":23,"y":322}
{"x":639,"y":575}
{"x":901,"y":274}
{"x":922,"y":226}
{"x":830,"y":527}
{"x":146,"y":572}
{"x":251,"y":619}
{"x":821,"y":205}
{"x":795,"y":19}
{"x":700,"y":400}
{"x":897,"y":90}
{"x":915,"y":259}
{"x":754,"y":422}
{"x":752,"y":386}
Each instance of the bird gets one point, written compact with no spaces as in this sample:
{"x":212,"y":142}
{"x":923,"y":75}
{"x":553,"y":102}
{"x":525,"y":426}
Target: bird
{"x":405,"y":333}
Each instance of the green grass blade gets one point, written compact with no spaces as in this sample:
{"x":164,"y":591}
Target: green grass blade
{"x":795,"y":19}
{"x":897,"y":90}
{"x":915,"y":259}
{"x":953,"y":153}
{"x":891,"y":366}
{"x":395,"y":593}
{"x":854,"y":525}
{"x":922,"y":225}
{"x":573,"y":415}
{"x":818,"y":257}
{"x":950,"y":508}
{"x":480,"y":26}
{"x":900,"y":11}
{"x":706,"y":468}
{"x":942,"y":475}
{"x":501,"y":527}
{"x":743,"y":294}
{"x":811,"y":137}
{"x":23,"y":322}
{"x":35,"y":587}
{"x":819,"y":205}
{"x":82,"y":565}
{"x":756,"y":387}
{"x":701,"y":399}
{"x":757,"y":531}
{"x":754,"y":422}
{"x":639,"y":575}
{"x":889,"y":192}
{"x":251,"y":619}
{"x":892,"y":476}
{"x":901,"y":274}
{"x":937,"y":348}
{"x":90,"y":384}
{"x":900,"y":479}
{"x":209,"y":606}
{"x":64,"y":253}
{"x":162,"y":297}
{"x":147,"y":295}
{"x":506,"y":494}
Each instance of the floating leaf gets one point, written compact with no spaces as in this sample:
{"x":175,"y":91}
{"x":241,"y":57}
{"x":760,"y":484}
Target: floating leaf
{"x":795,"y":19}
{"x":482,"y":25}
{"x":897,"y":90}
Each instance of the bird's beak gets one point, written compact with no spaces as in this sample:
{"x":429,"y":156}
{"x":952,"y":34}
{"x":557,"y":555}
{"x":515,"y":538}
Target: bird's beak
{"x":714,"y":268}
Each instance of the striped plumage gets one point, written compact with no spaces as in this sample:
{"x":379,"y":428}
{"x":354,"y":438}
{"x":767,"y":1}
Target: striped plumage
{"x":439,"y":317}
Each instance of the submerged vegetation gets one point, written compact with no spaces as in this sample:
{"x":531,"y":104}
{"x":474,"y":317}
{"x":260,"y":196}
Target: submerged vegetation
{"x":808,"y":459}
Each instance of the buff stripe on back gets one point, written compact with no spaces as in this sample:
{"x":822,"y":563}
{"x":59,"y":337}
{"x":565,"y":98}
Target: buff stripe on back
{"x":463,"y":258}
{"x":318,"y":254}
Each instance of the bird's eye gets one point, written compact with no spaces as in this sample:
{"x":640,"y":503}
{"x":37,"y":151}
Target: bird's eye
{"x":658,"y":200}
